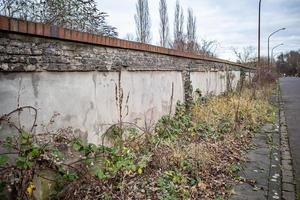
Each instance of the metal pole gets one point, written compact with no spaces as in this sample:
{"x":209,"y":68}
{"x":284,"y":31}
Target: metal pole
{"x":274,"y":56}
{"x":269,"y":50}
{"x":258,"y":51}
{"x":281,"y":29}
{"x":273,"y":50}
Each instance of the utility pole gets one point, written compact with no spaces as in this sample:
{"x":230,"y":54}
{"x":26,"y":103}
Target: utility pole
{"x":258,"y":46}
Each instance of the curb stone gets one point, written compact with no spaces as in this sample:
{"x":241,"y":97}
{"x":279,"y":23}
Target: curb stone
{"x":274,"y":185}
{"x":288,"y":180}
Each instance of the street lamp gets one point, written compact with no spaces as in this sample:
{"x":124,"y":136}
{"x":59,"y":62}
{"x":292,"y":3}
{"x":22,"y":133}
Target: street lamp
{"x":258,"y":45}
{"x":269,"y":43}
{"x":273,"y":50}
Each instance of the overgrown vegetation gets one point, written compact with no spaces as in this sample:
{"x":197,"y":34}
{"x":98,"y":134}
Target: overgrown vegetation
{"x":190,"y":155}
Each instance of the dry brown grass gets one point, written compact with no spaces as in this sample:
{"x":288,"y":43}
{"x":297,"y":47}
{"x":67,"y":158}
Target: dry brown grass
{"x":199,"y":156}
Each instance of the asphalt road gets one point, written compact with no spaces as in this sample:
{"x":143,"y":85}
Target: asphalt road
{"x":290,"y":88}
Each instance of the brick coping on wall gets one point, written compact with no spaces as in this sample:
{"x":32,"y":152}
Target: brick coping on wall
{"x":50,"y":31}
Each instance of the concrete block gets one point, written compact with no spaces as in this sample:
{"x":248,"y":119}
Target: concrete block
{"x":288,"y":187}
{"x":288,"y":195}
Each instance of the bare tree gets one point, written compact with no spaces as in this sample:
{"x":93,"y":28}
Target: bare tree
{"x":176,"y":21}
{"x":164,"y":23}
{"x":246,"y":55}
{"x":207,"y":47}
{"x":81,"y":15}
{"x":142,"y":22}
{"x":191,"y":31}
{"x":179,"y":40}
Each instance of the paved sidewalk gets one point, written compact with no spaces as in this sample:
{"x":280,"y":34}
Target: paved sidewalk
{"x":288,"y":181}
{"x":262,"y":169}
{"x":268,"y":172}
{"x":290,"y":89}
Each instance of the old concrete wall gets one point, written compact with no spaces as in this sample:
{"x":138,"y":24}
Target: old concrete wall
{"x":91,"y":82}
{"x":88,"y":102}
{"x":209,"y":82}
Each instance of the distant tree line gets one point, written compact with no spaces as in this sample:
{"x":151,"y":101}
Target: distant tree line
{"x":289,"y":63}
{"x":184,"y":34}
{"x":81,"y":15}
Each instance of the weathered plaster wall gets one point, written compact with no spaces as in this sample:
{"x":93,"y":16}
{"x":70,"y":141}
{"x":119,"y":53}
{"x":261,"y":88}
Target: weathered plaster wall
{"x":209,"y":82}
{"x":89,"y":101}
{"x":236,"y":75}
{"x":151,"y":94}
{"x":90,"y":82}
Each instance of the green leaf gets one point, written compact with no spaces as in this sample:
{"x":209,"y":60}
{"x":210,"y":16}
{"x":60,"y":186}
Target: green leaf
{"x":99,"y":173}
{"x":93,"y":147}
{"x":25,"y":138}
{"x":77,"y":145}
{"x":89,"y":149}
{"x":57,"y":153}
{"x":3,"y":159}
{"x":22,"y":162}
{"x":70,"y":176}
{"x":35,"y":152}
{"x":25,"y":135}
{"x":8,"y":143}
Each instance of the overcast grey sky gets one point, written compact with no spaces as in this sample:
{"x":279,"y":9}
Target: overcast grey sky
{"x":233,"y":23}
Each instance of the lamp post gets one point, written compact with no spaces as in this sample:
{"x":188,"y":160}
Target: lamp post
{"x":258,"y":45}
{"x":273,"y":50}
{"x":281,"y":29}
